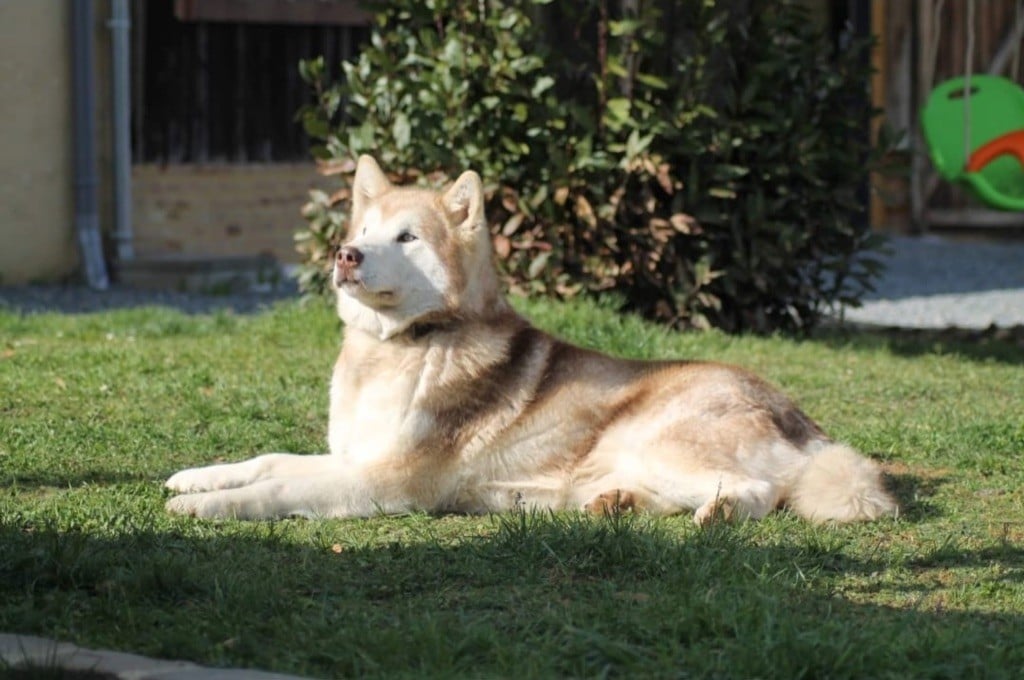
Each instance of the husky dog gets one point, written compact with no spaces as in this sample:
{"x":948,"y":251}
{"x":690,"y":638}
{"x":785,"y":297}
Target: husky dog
{"x":445,"y":400}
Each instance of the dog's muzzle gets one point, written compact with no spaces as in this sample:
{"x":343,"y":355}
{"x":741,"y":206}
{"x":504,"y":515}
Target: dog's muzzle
{"x":346,"y":262}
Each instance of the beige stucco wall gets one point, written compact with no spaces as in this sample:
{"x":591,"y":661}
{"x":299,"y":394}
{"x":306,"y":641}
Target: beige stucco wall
{"x":36,"y":192}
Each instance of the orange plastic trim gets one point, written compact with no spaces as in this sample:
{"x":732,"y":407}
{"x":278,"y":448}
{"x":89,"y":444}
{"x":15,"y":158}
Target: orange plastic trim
{"x":1011,"y":143}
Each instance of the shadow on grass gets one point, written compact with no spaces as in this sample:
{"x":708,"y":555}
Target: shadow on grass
{"x":914,"y":494}
{"x":60,"y":480}
{"x":538,"y":596}
{"x":952,"y":556}
{"x":994,"y":344}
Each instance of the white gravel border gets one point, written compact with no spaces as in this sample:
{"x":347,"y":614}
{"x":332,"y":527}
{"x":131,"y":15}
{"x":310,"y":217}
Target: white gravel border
{"x":934,"y":282}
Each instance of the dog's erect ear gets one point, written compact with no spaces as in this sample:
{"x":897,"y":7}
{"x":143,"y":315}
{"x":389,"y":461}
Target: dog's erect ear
{"x":369,"y":182}
{"x":463,"y":204}
{"x":464,"y":201}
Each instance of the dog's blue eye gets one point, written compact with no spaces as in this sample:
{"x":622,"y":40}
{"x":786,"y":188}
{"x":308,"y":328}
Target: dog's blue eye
{"x":406,"y":237}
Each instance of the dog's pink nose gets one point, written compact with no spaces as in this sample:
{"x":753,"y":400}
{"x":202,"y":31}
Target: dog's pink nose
{"x":349,"y":257}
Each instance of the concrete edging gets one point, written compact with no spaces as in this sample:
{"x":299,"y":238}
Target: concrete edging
{"x":27,"y":652}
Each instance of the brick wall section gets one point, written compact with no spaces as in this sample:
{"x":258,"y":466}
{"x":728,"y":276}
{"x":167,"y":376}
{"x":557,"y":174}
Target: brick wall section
{"x":221,"y":210}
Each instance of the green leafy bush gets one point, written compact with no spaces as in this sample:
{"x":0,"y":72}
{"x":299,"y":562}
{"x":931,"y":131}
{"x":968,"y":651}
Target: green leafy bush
{"x":702,"y":159}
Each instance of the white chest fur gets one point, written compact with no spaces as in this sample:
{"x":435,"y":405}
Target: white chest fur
{"x":372,"y":414}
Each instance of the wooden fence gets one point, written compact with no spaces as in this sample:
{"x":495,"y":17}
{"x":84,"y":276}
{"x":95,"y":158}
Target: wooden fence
{"x":217,"y":81}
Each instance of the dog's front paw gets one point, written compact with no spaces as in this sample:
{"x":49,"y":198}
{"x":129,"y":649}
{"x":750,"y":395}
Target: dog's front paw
{"x":210,"y":478}
{"x":182,"y":505}
{"x":189,"y":481}
{"x":203,"y":505}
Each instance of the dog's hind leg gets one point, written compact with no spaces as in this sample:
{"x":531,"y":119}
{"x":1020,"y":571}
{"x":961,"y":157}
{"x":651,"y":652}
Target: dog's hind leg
{"x":741,"y":499}
{"x":234,"y":475}
{"x":738,"y":499}
{"x":614,"y":502}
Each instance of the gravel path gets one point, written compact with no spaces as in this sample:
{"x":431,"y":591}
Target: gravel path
{"x":930,"y":283}
{"x":78,"y":299}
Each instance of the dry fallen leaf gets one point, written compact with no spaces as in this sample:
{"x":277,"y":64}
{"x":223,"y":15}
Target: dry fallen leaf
{"x":664,"y":178}
{"x":335,"y":167}
{"x":502,"y":246}
{"x":338,"y":196}
{"x":585,"y":212}
{"x":513,"y":224}
{"x":684,"y":224}
{"x":509,"y":199}
{"x":561,"y":194}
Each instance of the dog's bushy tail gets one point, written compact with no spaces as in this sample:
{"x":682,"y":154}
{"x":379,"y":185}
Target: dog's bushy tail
{"x":840,"y":485}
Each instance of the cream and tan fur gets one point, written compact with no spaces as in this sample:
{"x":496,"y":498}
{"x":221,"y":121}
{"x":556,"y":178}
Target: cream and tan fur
{"x":445,"y":400}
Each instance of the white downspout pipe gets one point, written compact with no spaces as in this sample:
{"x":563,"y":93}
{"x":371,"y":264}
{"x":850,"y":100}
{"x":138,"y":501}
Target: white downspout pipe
{"x":120,"y":27}
{"x":87,"y":218}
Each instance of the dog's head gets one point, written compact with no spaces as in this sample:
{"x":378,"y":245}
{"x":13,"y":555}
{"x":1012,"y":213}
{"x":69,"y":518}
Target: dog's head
{"x":414,"y":255}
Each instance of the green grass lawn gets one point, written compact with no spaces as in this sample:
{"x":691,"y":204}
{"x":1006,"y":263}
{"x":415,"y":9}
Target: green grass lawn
{"x":97,"y":410}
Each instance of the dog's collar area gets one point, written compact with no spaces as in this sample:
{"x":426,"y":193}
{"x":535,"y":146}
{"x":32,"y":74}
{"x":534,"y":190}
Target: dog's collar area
{"x":418,"y":331}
